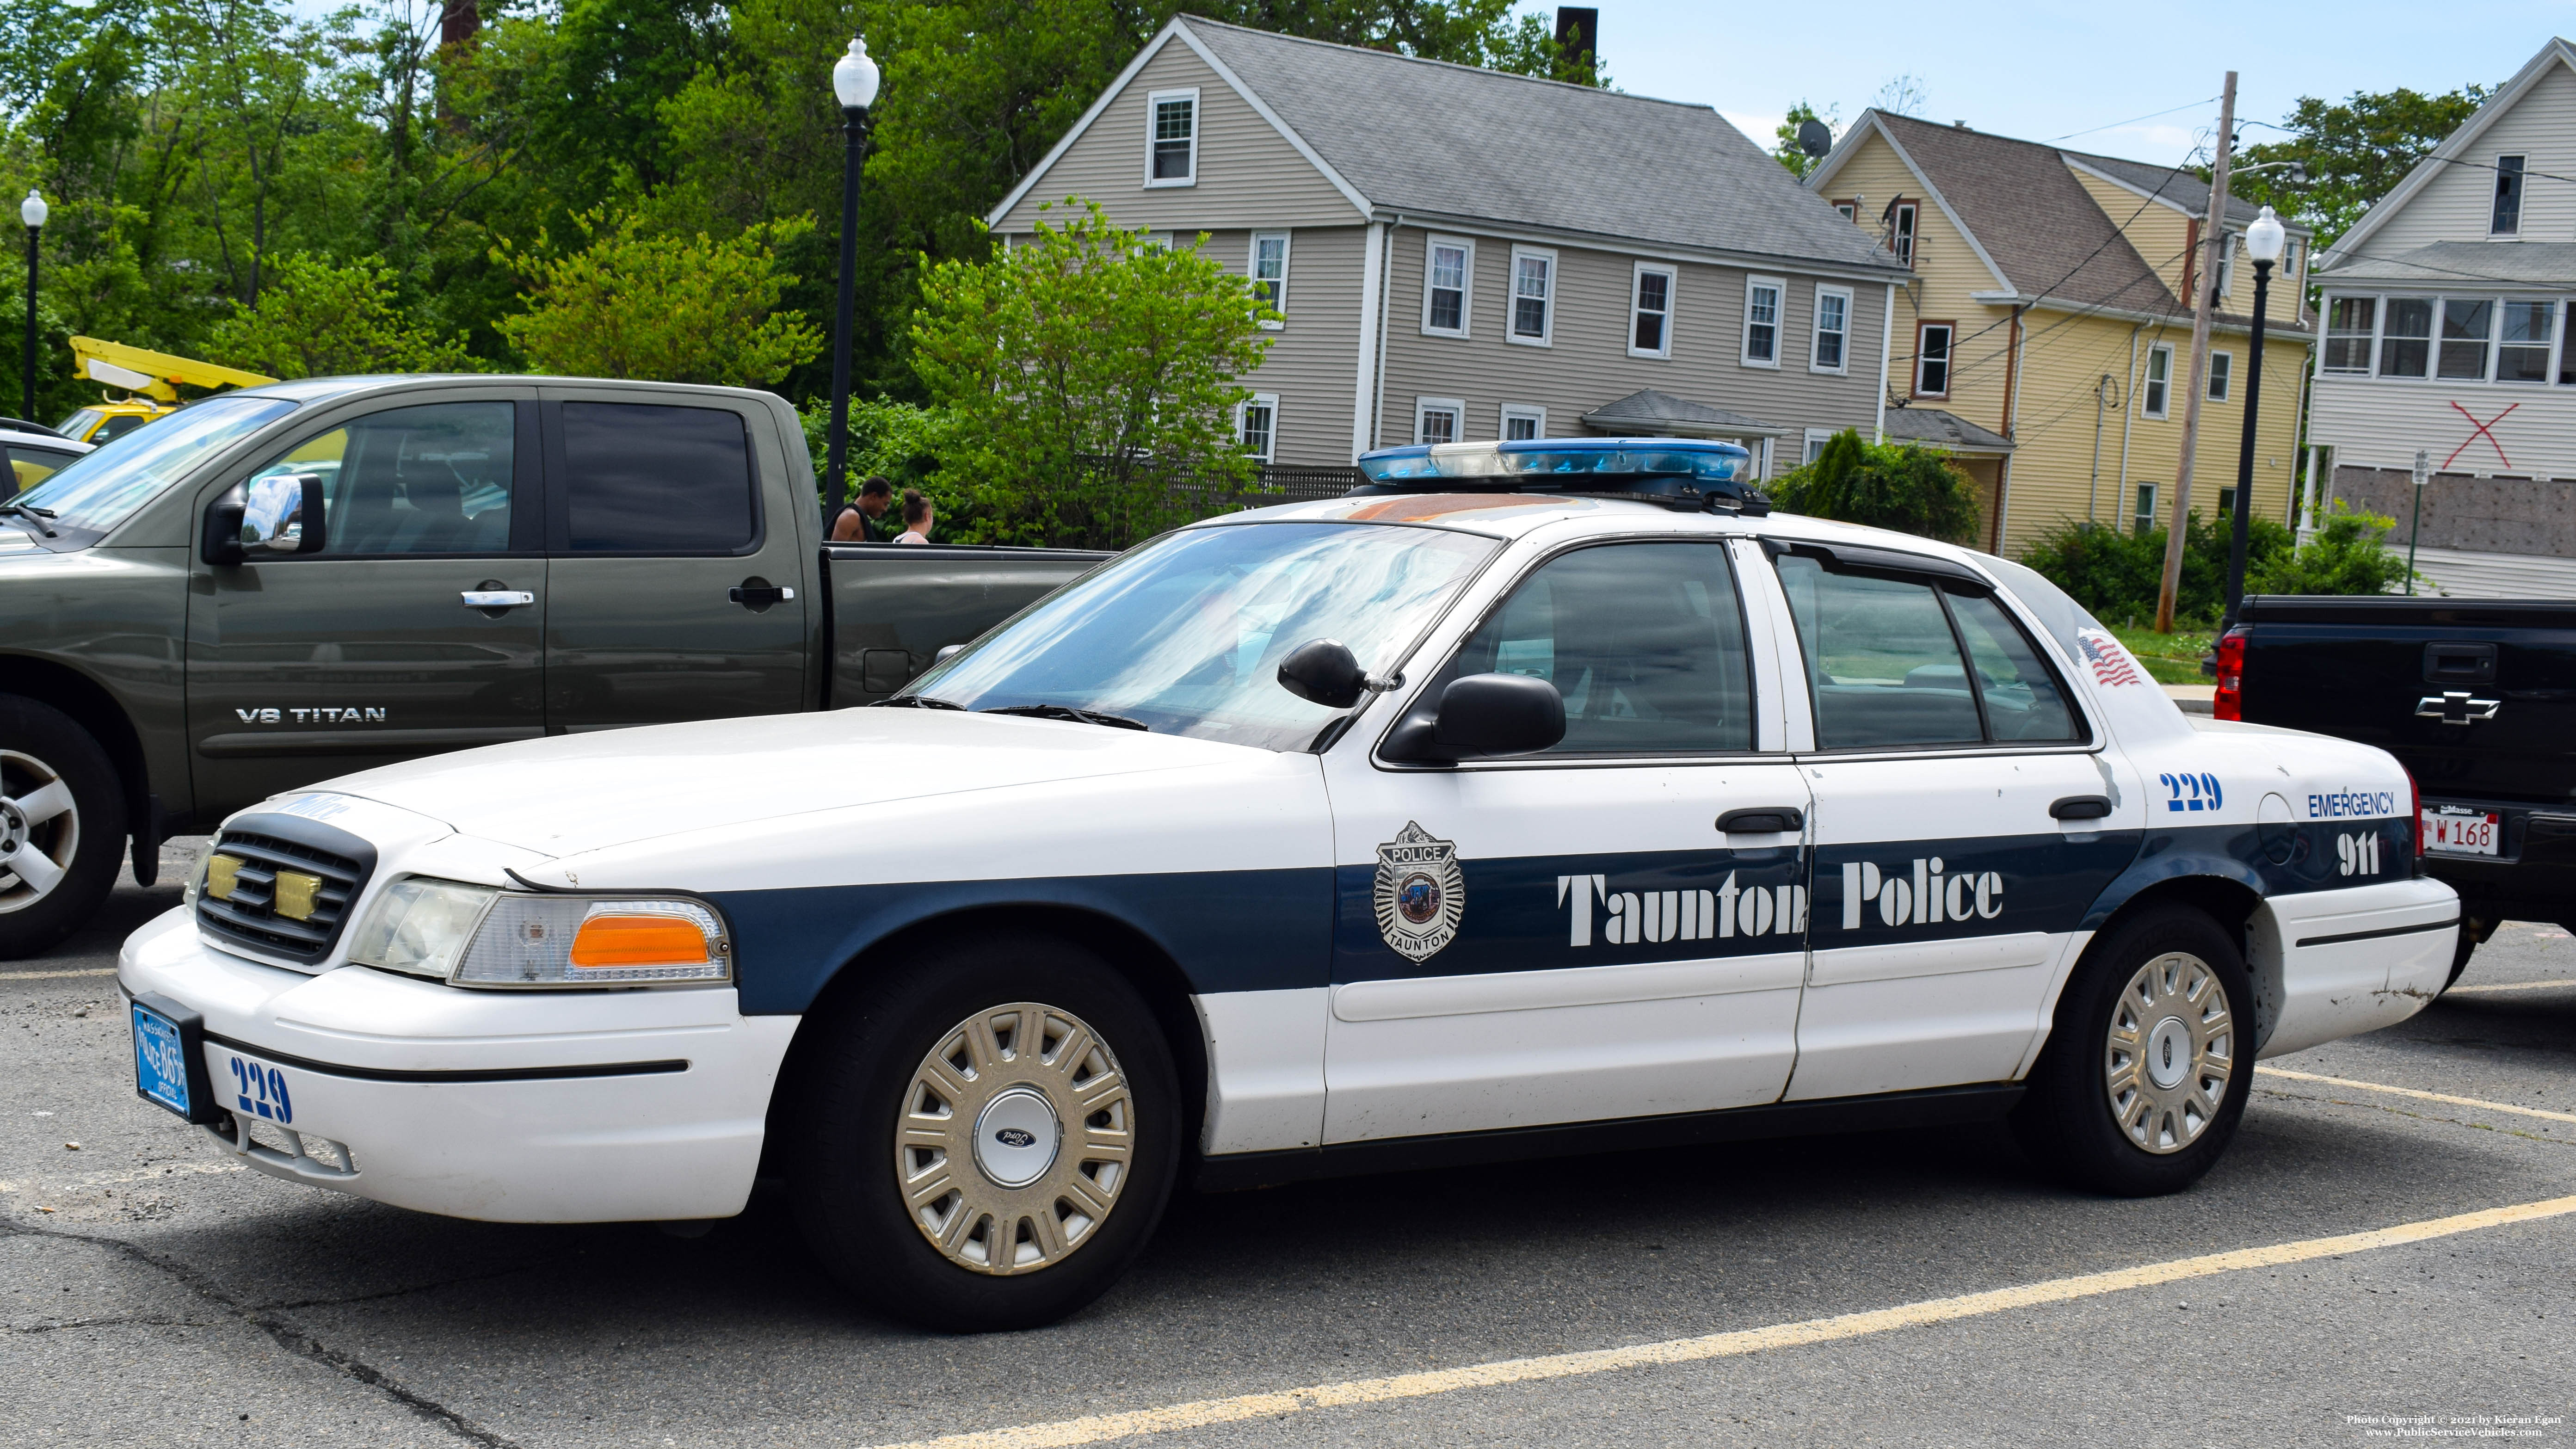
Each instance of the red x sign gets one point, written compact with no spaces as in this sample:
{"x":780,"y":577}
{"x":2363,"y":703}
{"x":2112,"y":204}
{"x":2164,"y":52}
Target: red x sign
{"x":2479,"y":430}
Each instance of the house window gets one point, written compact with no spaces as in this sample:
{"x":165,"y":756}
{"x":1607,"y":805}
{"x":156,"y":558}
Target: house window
{"x":1436,"y":419}
{"x":2226,"y":503}
{"x":1650,"y":328}
{"x":1833,"y":330}
{"x":1900,"y":233}
{"x":1447,"y":264}
{"x":1932,"y":359}
{"x":2349,"y":321}
{"x":1256,"y":424}
{"x":1849,"y":207}
{"x":2227,"y":265}
{"x":1172,"y":138}
{"x":2152,"y":397}
{"x":2507,"y":218}
{"x":2222,"y":371}
{"x":1762,"y":321}
{"x":2467,"y":322}
{"x":2567,"y":356}
{"x":1270,"y":272}
{"x":2289,"y":261}
{"x":2522,"y":349}
{"x":1815,"y":445}
{"x":1523,"y":422}
{"x":2406,"y":337}
{"x":1533,"y":291}
{"x":2145,"y":521}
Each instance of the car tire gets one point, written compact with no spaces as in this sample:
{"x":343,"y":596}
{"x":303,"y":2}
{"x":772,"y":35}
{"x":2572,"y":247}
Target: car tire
{"x":928,"y":1145}
{"x":62,"y":826}
{"x":2148,"y":1065}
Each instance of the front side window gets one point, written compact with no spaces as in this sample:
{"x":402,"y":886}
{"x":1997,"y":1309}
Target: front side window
{"x":1645,"y":642}
{"x":642,"y":478}
{"x":1270,"y":273}
{"x":1533,"y":288}
{"x":1650,"y":334}
{"x":2159,"y":384}
{"x":1762,"y":322}
{"x":1172,"y":142}
{"x":2406,"y":337}
{"x":1437,"y":419}
{"x":2506,"y":219}
{"x":103,"y":488}
{"x":435,"y":479}
{"x":1886,"y":670}
{"x":1833,"y":329}
{"x":1444,"y":286}
{"x":2349,"y":321}
{"x":1258,"y":425}
{"x":2522,"y":348}
{"x":1184,"y":635}
{"x":2466,"y":324}
{"x":2222,"y":372}
{"x":1932,"y":359}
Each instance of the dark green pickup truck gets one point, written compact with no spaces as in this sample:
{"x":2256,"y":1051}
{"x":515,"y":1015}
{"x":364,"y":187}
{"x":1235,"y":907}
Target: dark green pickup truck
{"x":298,"y":581}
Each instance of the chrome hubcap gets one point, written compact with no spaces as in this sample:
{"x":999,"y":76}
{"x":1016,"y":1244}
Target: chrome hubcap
{"x":39,"y":829}
{"x":1015,"y":1139}
{"x":2170,"y":1052}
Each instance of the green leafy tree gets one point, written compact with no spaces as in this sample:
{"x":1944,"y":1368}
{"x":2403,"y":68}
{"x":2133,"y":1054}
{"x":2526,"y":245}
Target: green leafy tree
{"x":669,"y":308}
{"x":2356,"y":150}
{"x":318,"y":320}
{"x":1902,"y":487}
{"x":1090,"y":377}
{"x":900,"y":440}
{"x":1785,"y":139}
{"x":2117,"y":574}
{"x":2348,"y":555}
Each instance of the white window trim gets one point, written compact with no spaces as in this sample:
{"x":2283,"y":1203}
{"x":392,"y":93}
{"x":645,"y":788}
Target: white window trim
{"x":1779,"y":322}
{"x":2229,"y":395}
{"x":1269,"y":400}
{"x":1949,"y":361}
{"x":1466,"y":292}
{"x":1252,"y":269}
{"x":2326,"y":335}
{"x":1503,"y":428}
{"x":1512,"y":298}
{"x":1913,"y":235}
{"x":2521,"y":204}
{"x":1198,"y":118}
{"x":2155,"y":505}
{"x":1453,"y":406}
{"x":2227,"y":263}
{"x":1815,"y":323}
{"x":2162,"y":413}
{"x":1813,"y":443}
{"x":1672,"y":276}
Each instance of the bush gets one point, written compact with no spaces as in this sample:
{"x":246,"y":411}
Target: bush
{"x":2117,"y":575}
{"x":2346,"y":557}
{"x":1901,"y":487}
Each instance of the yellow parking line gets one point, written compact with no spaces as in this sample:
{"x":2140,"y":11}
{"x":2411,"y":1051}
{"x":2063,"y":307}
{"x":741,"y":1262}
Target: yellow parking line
{"x":1100,"y":1428}
{"x":53,"y":975}
{"x":2419,"y":1096}
{"x":2509,"y":986}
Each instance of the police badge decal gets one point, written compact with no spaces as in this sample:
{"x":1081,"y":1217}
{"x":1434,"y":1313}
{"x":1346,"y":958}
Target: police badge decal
{"x":1420,"y":893}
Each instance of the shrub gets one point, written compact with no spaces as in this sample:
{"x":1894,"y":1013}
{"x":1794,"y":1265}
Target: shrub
{"x":2116,"y":575}
{"x":1901,"y":487}
{"x":2346,"y":557}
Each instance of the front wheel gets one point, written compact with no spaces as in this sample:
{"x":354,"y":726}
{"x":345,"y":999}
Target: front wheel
{"x":987,"y":1143}
{"x":62,"y":826}
{"x":2146,"y":1071}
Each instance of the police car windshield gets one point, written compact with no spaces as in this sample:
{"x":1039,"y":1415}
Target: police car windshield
{"x":102,"y":489}
{"x":1185,"y":635}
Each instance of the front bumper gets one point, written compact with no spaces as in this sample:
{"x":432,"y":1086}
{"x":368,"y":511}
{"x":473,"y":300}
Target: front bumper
{"x":530,"y":1107}
{"x":2532,"y":877}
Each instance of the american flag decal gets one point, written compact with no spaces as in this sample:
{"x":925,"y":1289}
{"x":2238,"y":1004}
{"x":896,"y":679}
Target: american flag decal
{"x":2110,"y":662}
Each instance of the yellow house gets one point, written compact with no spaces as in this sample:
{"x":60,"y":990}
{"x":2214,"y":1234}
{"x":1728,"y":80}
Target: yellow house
{"x":2043,"y":338}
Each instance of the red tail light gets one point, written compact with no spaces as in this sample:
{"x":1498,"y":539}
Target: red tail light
{"x":2229,"y":702}
{"x":2415,"y":813}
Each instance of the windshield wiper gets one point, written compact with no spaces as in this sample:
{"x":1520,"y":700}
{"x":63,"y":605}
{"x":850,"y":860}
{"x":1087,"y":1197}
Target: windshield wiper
{"x":35,"y":516}
{"x":1068,"y":712}
{"x":913,"y":701}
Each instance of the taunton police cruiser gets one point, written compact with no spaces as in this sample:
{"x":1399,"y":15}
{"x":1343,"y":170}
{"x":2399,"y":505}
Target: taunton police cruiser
{"x":1540,"y":797}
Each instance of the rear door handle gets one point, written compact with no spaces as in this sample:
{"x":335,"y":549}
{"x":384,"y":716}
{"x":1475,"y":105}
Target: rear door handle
{"x":497,"y":598}
{"x":756,"y":593}
{"x":1762,"y":820}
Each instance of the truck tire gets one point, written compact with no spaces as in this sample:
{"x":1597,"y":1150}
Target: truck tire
{"x":2147,"y":1068}
{"x":2475,"y":927}
{"x":62,"y":826}
{"x":987,"y":1140}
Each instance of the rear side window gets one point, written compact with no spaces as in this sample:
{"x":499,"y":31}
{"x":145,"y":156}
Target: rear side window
{"x":1889,"y":663}
{"x":643,"y":478}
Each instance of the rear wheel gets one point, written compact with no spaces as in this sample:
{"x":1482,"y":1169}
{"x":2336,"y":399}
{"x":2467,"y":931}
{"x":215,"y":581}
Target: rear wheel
{"x":62,"y":826}
{"x":987,"y":1143}
{"x":2146,"y":1071}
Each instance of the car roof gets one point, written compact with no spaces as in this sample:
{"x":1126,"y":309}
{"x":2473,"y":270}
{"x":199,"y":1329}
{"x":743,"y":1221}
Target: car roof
{"x":55,"y":441}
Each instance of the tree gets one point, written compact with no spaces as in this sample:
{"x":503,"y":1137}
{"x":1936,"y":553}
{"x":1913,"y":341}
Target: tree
{"x":1785,"y":139}
{"x":2347,"y":556}
{"x":318,"y":320}
{"x":2355,"y":152}
{"x":1090,"y":375}
{"x":1903,"y":95}
{"x":1901,"y":487}
{"x":669,"y":308}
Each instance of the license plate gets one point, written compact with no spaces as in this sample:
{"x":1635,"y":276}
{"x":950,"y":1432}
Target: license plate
{"x":161,"y":1064}
{"x":2462,"y":832}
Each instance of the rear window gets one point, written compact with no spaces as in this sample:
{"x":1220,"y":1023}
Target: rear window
{"x":643,"y":478}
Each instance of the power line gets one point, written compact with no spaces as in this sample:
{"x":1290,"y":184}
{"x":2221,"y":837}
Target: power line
{"x":2133,"y":120}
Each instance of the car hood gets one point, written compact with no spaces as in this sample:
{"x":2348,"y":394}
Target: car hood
{"x":575,"y":793}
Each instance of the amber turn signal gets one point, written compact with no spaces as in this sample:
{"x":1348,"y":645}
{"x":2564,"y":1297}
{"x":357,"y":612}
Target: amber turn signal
{"x":639,"y":940}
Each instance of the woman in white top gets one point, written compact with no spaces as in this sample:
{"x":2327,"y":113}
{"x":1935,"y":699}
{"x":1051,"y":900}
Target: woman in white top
{"x":916,"y":518}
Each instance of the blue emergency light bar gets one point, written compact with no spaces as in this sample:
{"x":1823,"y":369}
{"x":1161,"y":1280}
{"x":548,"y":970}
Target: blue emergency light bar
{"x":1685,"y":471}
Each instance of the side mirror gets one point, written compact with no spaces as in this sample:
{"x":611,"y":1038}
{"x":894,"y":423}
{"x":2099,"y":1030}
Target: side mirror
{"x":947,"y":652}
{"x":1325,"y":672}
{"x":279,"y":514}
{"x":220,"y":545}
{"x":1498,"y":714}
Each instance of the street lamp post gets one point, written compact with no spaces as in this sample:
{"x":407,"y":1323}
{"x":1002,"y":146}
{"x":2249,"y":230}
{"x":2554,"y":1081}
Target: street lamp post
{"x":854,"y":84}
{"x":2263,"y":242}
{"x":32,"y":211}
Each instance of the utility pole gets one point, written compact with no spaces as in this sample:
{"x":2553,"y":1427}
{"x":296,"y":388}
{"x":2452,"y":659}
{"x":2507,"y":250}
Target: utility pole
{"x":2204,"y":298}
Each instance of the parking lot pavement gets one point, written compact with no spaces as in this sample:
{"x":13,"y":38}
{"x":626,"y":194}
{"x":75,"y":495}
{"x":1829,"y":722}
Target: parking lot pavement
{"x":154,"y":1294}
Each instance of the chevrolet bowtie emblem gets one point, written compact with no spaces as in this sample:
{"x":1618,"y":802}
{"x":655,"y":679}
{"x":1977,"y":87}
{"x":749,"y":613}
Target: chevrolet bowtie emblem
{"x":2453,"y":706}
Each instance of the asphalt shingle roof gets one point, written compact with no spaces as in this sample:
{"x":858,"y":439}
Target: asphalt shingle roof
{"x":1452,"y":140}
{"x":2174,"y":185}
{"x":1647,"y":413}
{"x":2451,"y":263}
{"x":1942,"y":430}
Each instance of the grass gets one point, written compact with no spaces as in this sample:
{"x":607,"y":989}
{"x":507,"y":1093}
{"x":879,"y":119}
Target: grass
{"x":2170,"y":658}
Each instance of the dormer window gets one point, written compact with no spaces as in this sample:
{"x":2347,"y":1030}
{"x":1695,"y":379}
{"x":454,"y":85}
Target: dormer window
{"x":2506,"y":220}
{"x":1172,"y":138}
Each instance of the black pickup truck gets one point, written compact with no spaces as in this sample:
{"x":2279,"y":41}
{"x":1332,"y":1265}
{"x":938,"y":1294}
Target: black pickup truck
{"x":291,"y":582}
{"x":2476,"y":697}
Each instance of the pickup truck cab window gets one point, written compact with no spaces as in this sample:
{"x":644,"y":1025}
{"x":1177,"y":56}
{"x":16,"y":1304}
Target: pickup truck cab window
{"x":437,"y":479}
{"x":639,"y":478}
{"x":104,"y":488}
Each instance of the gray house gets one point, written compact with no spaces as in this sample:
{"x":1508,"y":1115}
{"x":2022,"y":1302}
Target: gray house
{"x":1462,"y":254}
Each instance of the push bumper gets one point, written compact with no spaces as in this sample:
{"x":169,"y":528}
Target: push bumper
{"x":2332,"y":964}
{"x":543,"y":1107}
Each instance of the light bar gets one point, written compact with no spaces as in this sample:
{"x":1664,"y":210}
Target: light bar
{"x":1577,"y":464}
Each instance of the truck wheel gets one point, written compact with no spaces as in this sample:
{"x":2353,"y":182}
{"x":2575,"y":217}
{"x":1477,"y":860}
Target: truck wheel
{"x":2474,"y":931}
{"x":988,"y":1142}
{"x":2146,"y":1071}
{"x":62,"y":826}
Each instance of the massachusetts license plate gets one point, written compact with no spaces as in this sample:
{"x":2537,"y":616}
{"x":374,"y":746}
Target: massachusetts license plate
{"x":161,"y":1062}
{"x":2462,"y":832}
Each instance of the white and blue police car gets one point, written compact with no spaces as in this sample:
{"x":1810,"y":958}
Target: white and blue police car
{"x":1537,"y":798}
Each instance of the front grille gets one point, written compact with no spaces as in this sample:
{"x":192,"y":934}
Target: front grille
{"x":267,"y":845}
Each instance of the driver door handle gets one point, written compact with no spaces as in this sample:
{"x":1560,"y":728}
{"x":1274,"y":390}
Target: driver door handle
{"x":497,"y":598}
{"x":1762,"y":820}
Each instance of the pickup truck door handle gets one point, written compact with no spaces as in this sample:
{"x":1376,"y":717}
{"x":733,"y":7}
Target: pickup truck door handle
{"x":2453,"y":706}
{"x":1762,"y":820}
{"x":497,"y":598}
{"x":756,"y":593}
{"x":2080,"y":807}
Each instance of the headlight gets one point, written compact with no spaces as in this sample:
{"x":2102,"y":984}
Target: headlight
{"x":476,"y":936}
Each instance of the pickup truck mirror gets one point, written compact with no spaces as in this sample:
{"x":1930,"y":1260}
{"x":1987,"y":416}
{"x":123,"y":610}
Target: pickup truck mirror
{"x":279,"y":514}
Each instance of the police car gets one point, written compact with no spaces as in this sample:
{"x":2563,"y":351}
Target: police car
{"x":1538,"y":798}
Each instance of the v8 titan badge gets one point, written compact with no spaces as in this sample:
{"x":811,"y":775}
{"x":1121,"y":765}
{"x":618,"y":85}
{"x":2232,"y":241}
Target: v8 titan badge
{"x":1420,"y":893}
